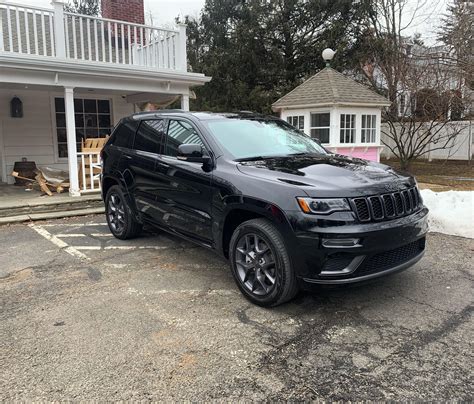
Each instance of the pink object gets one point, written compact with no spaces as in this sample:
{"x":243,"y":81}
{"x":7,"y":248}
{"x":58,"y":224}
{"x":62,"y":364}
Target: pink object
{"x":363,"y":152}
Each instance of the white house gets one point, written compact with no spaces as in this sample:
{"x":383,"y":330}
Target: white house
{"x":76,"y":76}
{"x":343,"y":114}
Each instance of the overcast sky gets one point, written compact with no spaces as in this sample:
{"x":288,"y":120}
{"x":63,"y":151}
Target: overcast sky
{"x":165,"y":11}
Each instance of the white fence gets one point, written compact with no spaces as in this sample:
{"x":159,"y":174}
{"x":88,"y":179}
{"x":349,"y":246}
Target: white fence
{"x":90,"y":170}
{"x":55,"y":33}
{"x":462,"y":148}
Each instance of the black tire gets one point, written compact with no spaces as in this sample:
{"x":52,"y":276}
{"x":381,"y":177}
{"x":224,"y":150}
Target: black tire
{"x":119,"y":215}
{"x":265,"y":234}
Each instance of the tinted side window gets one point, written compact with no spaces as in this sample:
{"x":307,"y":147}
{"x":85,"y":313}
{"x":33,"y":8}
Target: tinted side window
{"x":124,"y":134}
{"x":180,"y":132}
{"x":149,"y":136}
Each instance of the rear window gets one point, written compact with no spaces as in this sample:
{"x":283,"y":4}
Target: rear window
{"x":150,"y":136}
{"x":124,"y":134}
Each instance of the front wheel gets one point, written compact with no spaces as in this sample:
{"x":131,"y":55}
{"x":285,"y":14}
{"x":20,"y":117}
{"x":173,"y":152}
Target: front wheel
{"x":261,"y":265}
{"x":120,"y":219}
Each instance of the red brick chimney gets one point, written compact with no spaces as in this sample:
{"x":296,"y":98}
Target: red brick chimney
{"x":124,"y":10}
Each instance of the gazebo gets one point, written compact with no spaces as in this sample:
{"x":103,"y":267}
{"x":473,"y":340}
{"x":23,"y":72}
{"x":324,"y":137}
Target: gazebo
{"x":342,"y":113}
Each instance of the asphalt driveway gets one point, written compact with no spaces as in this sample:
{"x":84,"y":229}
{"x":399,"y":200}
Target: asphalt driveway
{"x":86,"y":316}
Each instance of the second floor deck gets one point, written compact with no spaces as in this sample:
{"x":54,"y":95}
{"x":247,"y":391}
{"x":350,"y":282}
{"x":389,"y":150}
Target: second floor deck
{"x":55,"y":33}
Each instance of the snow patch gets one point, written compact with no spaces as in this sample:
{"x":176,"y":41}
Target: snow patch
{"x":451,"y":212}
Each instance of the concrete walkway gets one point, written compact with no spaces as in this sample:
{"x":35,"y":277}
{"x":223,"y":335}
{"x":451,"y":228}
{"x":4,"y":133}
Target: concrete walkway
{"x":19,"y":205}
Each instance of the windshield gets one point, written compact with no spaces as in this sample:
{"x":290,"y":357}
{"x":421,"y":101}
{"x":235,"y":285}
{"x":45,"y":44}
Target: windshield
{"x":251,"y":138}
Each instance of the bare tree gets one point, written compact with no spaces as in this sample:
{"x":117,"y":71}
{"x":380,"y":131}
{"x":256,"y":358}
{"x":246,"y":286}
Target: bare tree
{"x":421,"y":86}
{"x":423,"y":122}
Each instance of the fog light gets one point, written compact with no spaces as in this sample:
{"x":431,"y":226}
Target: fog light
{"x":341,"y":242}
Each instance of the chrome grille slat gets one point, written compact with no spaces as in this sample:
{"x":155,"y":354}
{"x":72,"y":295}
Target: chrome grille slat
{"x":387,"y":206}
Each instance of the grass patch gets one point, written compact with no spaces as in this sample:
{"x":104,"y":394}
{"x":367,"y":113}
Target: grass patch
{"x":443,"y":175}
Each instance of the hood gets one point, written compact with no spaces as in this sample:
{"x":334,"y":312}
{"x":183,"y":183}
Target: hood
{"x":329,"y":175}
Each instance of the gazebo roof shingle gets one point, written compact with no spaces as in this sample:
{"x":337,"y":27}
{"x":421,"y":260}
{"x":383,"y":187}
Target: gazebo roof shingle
{"x":329,"y":87}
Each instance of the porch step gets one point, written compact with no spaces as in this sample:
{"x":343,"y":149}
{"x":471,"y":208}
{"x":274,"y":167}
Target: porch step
{"x":46,"y":208}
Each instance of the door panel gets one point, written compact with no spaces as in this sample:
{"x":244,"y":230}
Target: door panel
{"x":142,"y":163}
{"x":185,"y":197}
{"x":185,"y":194}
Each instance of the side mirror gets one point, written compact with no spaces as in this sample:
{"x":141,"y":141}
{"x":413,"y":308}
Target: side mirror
{"x":193,"y":153}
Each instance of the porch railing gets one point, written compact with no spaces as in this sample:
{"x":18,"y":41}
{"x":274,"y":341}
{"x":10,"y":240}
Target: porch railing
{"x":55,"y":33}
{"x":89,"y":171}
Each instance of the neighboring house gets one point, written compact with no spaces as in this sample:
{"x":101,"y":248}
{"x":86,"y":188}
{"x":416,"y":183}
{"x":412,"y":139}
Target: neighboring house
{"x":430,"y":71}
{"x":76,"y":76}
{"x":342,"y":113}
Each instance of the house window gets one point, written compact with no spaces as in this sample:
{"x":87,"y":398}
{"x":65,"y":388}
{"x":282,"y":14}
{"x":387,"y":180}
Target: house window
{"x":93,"y":119}
{"x":368,"y":128}
{"x":347,"y":128}
{"x":320,"y":126}
{"x":296,"y":121}
{"x":402,"y":105}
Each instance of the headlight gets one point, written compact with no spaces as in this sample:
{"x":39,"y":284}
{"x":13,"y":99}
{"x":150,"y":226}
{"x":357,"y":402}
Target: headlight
{"x":323,"y":206}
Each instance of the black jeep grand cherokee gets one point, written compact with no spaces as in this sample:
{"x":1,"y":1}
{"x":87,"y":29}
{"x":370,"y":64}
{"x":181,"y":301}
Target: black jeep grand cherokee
{"x":284,"y":211}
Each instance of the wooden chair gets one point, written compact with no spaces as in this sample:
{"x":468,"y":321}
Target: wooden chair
{"x":93,"y":146}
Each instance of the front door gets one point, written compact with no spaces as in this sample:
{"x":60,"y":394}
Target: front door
{"x":185,"y":192}
{"x":142,"y":161}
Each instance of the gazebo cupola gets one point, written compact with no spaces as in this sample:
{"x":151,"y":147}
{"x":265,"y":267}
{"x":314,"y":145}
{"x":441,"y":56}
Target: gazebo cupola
{"x":342,"y":113}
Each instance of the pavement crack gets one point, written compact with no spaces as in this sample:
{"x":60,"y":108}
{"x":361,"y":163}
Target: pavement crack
{"x":446,"y":328}
{"x":422,"y":303}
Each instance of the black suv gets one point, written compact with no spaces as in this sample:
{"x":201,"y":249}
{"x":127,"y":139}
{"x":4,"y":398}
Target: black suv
{"x":283,"y":210}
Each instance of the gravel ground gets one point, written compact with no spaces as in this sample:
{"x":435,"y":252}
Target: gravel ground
{"x":87,"y":317}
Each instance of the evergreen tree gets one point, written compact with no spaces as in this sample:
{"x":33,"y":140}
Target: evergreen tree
{"x":257,"y":50}
{"x":457,"y":32}
{"x":86,"y":7}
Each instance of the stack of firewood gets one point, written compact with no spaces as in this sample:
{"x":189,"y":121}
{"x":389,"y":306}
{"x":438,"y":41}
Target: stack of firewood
{"x":48,"y":180}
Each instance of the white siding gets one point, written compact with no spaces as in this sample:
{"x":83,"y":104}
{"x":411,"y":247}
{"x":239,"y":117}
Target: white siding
{"x":33,"y":135}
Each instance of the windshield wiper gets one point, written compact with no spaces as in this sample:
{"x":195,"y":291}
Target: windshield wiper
{"x":254,"y":158}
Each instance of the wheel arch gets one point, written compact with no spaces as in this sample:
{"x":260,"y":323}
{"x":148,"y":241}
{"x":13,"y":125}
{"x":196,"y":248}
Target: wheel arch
{"x":253,"y":209}
{"x":107,"y":183}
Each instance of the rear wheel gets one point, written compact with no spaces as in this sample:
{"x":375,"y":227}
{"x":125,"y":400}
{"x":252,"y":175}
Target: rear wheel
{"x":120,"y":219}
{"x":260,"y":263}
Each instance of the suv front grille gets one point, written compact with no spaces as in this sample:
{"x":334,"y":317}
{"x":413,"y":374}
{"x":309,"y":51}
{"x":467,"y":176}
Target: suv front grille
{"x":386,"y":206}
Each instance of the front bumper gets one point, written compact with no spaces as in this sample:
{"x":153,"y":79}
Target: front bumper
{"x":351,"y":253}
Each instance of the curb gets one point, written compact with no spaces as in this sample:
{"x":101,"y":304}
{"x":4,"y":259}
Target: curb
{"x":50,"y":215}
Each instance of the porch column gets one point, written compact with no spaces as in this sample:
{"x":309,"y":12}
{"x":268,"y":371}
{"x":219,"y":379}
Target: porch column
{"x":71,"y":142}
{"x":185,"y":102}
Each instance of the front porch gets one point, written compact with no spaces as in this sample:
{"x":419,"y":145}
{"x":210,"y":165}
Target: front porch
{"x":76,"y":77}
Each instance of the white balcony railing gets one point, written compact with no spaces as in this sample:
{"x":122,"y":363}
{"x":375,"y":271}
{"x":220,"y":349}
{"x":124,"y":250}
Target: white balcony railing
{"x":55,"y":33}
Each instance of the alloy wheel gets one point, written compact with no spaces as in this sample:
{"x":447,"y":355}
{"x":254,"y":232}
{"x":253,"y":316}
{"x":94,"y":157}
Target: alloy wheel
{"x":256,"y":265}
{"x":116,"y":213}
